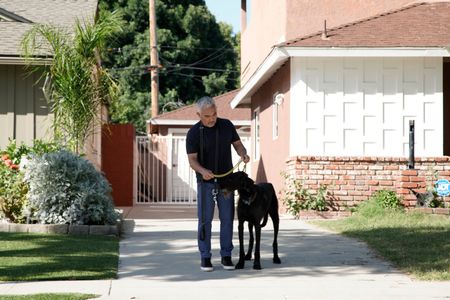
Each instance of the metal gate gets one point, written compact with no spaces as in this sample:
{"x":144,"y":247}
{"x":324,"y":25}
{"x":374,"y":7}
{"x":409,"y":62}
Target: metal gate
{"x":163,"y":174}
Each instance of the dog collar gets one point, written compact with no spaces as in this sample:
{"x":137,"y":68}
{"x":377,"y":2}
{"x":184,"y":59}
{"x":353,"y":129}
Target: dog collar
{"x":246,"y":202}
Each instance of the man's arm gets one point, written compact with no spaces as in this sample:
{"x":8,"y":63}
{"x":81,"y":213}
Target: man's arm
{"x":193,"y":162}
{"x":241,"y":151}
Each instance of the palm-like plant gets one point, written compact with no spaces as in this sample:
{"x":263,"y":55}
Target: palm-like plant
{"x":79,"y":85}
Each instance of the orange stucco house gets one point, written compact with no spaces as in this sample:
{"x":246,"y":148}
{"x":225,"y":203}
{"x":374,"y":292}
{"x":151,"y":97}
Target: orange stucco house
{"x":333,"y":86}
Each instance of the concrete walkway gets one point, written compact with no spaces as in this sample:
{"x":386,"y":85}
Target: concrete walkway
{"x":159,"y":260}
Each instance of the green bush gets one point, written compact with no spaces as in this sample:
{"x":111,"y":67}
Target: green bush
{"x":387,"y":199}
{"x":297,"y":198}
{"x":66,"y":189}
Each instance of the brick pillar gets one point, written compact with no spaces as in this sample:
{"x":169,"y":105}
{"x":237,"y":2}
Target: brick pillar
{"x":408,"y":180}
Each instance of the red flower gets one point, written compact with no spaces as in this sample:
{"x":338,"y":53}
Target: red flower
{"x":14,"y":167}
{"x":5,"y":157}
{"x":8,"y":162}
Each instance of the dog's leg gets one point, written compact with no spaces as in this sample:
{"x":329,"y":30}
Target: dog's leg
{"x":276,"y":223}
{"x":241,"y":262}
{"x":251,"y":241}
{"x":257,"y":261}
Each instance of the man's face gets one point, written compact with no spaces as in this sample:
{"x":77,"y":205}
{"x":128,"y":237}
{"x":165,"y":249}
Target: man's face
{"x":208,"y":116}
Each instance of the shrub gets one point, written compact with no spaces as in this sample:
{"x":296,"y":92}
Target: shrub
{"x":297,"y":198}
{"x":13,"y":193}
{"x":387,"y":199}
{"x":66,"y":189}
{"x":13,"y":189}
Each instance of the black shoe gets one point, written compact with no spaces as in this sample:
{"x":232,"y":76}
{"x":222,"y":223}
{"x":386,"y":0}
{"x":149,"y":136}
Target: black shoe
{"x":206,"y":265}
{"x":227,"y":264}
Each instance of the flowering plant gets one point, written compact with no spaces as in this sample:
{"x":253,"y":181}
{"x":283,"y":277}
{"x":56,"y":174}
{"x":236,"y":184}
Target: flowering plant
{"x":13,"y":189}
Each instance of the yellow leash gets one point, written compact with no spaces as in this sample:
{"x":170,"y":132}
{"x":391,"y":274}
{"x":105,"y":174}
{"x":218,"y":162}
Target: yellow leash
{"x":229,"y":172}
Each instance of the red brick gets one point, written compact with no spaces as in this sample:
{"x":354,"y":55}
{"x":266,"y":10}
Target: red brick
{"x":409,"y":173}
{"x":386,"y":183}
{"x":409,"y":185}
{"x":442,"y":211}
{"x":403,"y":191}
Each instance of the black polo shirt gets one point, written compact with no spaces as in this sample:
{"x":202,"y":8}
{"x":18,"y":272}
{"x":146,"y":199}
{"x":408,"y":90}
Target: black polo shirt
{"x":227,"y":134}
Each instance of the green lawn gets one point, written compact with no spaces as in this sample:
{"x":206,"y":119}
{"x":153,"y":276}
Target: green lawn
{"x":417,"y":243}
{"x":49,"y":297}
{"x":27,"y":256}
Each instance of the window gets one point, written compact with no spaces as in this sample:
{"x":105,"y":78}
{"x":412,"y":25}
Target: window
{"x":256,"y":133}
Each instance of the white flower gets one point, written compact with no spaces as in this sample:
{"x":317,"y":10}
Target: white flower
{"x":23,"y":162}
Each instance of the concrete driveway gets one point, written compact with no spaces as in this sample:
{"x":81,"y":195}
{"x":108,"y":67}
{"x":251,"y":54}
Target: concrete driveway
{"x":159,"y":260}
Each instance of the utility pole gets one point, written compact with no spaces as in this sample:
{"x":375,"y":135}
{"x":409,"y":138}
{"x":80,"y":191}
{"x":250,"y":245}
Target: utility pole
{"x":154,"y":63}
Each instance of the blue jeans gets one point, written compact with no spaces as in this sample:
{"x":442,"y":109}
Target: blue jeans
{"x":226,"y":216}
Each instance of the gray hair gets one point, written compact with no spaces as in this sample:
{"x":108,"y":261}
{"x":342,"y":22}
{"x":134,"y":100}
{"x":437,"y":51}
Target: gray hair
{"x":204,"y":102}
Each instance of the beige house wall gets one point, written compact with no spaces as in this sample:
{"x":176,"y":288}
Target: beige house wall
{"x":24,"y":112}
{"x":271,"y":22}
{"x":273,"y":151}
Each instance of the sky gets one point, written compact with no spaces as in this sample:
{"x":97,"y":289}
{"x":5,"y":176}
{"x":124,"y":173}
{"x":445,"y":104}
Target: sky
{"x":228,"y":11}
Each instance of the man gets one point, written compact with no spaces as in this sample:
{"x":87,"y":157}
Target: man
{"x":208,"y":145}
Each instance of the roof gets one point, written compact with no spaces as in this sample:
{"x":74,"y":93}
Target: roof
{"x":418,"y":30}
{"x":417,"y":25}
{"x":18,"y":16}
{"x":187,"y":115}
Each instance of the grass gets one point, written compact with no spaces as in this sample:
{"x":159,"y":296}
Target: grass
{"x":74,"y":296}
{"x":416,"y":243}
{"x":28,"y":256}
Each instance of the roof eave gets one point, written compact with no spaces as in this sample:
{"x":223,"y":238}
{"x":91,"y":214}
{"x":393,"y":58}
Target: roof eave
{"x":279,"y":55}
{"x":273,"y":61}
{"x":190,"y":122}
{"x":18,"y":60}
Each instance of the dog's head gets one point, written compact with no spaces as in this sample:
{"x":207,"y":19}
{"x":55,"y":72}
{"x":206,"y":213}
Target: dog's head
{"x":237,"y":181}
{"x":242,"y":183}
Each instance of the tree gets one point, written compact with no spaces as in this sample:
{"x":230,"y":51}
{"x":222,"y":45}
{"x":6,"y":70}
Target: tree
{"x":198,"y":56}
{"x":79,"y":85}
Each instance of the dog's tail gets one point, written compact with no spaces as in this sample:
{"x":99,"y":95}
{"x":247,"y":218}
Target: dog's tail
{"x":265,"y":220}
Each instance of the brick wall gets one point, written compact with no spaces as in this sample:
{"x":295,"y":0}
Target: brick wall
{"x":351,"y":180}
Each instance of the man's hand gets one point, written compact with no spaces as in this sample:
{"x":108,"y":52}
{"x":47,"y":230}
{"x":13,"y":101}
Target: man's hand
{"x":207,"y":174}
{"x":245,"y":158}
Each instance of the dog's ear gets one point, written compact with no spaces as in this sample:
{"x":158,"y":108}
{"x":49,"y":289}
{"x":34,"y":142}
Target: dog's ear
{"x":248,"y":182}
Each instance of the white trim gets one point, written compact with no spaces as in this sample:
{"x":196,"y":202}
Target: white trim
{"x":21,"y":61}
{"x":192,"y":122}
{"x":366,"y":52}
{"x":279,"y":55}
{"x":272,"y":62}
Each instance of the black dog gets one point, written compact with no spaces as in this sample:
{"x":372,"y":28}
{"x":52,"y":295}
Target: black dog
{"x":256,"y":202}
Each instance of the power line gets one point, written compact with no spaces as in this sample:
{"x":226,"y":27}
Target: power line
{"x":199,"y":48}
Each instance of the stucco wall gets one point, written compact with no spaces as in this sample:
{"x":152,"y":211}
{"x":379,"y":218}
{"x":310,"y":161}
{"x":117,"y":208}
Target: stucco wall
{"x":274,"y":152}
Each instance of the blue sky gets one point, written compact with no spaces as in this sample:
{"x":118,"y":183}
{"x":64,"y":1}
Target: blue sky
{"x":228,"y":11}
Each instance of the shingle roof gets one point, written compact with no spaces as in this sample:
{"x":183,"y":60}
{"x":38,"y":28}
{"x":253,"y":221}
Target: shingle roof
{"x":55,"y":12}
{"x":224,"y":110}
{"x":417,"y":25}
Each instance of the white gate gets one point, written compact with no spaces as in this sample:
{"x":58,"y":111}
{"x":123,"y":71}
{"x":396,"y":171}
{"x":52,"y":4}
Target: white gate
{"x":163,"y":174}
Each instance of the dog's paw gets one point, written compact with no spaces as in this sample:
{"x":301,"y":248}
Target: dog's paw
{"x":257,"y":267}
{"x":239,"y":266}
{"x":276,"y":260}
